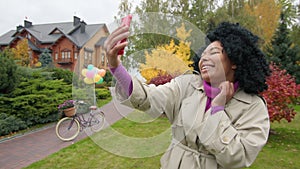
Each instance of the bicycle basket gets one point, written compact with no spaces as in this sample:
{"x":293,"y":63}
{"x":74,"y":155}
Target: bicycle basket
{"x":70,"y":112}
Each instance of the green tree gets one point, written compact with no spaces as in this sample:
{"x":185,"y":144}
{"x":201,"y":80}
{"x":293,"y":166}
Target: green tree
{"x":8,"y":72}
{"x":283,"y":52}
{"x":45,"y":59}
{"x":289,"y":10}
{"x":295,"y":34}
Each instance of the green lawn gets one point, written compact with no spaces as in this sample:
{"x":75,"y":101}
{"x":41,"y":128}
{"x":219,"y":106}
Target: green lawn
{"x":283,"y":148}
{"x":281,"y":151}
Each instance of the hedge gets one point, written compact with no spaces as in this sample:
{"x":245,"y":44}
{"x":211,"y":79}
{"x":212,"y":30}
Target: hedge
{"x":34,"y":102}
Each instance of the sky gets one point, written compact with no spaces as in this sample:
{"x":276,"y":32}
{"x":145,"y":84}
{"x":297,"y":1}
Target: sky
{"x":14,"y":12}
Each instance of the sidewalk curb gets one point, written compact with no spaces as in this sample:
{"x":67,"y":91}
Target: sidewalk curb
{"x":27,"y":132}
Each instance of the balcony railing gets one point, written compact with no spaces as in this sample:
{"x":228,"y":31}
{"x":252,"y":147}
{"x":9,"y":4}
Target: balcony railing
{"x":64,"y":61}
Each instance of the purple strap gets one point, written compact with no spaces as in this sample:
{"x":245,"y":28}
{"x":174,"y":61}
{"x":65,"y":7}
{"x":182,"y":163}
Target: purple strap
{"x":123,"y":77}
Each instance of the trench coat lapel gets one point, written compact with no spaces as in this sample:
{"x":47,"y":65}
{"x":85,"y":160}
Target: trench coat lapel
{"x":193,"y":110}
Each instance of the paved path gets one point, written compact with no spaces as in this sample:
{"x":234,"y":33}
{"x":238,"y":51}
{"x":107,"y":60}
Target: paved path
{"x":24,"y":150}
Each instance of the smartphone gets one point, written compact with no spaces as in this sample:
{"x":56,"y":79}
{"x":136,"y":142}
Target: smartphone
{"x":125,"y":21}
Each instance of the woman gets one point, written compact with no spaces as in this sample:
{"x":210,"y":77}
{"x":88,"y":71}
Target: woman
{"x":218,"y":119}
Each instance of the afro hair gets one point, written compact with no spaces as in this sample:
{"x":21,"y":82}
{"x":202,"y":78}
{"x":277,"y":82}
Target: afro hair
{"x":241,"y":47}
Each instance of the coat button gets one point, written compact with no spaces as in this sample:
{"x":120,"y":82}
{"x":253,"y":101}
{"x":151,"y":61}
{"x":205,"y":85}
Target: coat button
{"x":225,"y":139}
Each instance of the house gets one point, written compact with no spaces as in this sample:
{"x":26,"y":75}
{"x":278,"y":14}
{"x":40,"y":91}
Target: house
{"x":72,"y":45}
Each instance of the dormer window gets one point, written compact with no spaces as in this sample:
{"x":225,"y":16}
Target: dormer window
{"x":55,"y":31}
{"x":28,"y":36}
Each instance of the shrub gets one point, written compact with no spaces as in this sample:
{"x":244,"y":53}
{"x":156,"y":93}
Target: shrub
{"x":10,"y":123}
{"x":161,"y":79}
{"x":35,"y":101}
{"x":102,"y":93}
{"x":281,"y":94}
{"x":64,"y":74}
{"x":8,"y":72}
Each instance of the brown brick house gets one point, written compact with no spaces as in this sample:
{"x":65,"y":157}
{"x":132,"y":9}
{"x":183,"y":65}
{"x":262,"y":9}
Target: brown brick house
{"x":73,"y":45}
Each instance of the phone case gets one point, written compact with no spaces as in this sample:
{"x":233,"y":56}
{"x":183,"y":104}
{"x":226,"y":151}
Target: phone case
{"x":125,"y":21}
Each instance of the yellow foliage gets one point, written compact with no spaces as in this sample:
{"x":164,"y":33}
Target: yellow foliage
{"x":150,"y":73}
{"x":267,"y":14}
{"x":169,"y":48}
{"x":168,"y":58}
{"x":182,"y":34}
{"x":183,"y":52}
{"x":38,"y":64}
{"x":21,"y":52}
{"x":162,"y":62}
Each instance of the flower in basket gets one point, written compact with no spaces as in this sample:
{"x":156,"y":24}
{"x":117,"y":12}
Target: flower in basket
{"x":65,"y":105}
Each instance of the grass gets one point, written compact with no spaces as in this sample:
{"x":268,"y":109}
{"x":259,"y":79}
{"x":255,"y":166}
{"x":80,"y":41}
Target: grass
{"x":283,"y":148}
{"x":281,"y":151}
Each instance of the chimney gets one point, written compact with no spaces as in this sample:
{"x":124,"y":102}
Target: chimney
{"x":27,"y":24}
{"x":19,"y":28}
{"x":82,"y":27}
{"x":76,"y":20}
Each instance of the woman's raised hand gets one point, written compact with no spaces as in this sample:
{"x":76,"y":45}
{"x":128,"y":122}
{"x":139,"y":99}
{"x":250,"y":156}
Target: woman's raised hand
{"x":113,"y":45}
{"x":227,"y":92}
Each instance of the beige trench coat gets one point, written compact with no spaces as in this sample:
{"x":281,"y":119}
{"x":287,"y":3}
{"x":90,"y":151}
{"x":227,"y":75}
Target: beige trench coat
{"x":228,"y":139}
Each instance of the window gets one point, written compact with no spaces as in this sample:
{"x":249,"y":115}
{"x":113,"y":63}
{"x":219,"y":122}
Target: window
{"x":85,"y":55}
{"x":56,"y":32}
{"x":66,"y":55}
{"x":75,"y":55}
{"x":102,"y":58}
{"x":28,"y":36}
{"x":88,"y":57}
{"x":88,"y":53}
{"x":69,"y":54}
{"x":56,"y":55}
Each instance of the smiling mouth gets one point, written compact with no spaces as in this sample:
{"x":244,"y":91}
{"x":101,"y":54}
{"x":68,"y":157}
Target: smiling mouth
{"x":206,"y":67}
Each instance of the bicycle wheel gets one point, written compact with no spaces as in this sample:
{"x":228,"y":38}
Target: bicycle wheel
{"x":97,"y":121}
{"x":67,"y":128}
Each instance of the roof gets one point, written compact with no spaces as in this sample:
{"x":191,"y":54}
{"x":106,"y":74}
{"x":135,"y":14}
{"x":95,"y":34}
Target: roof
{"x":101,"y":41}
{"x":45,"y":33}
{"x":7,"y":38}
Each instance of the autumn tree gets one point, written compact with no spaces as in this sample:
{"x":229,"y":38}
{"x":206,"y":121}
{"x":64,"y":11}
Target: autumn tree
{"x":266,"y":14}
{"x":168,"y":59}
{"x":21,"y":53}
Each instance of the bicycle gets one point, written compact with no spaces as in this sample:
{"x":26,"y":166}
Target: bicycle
{"x":68,"y":128}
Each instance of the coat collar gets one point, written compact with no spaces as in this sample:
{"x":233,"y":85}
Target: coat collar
{"x":197,"y":83}
{"x":240,"y":95}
